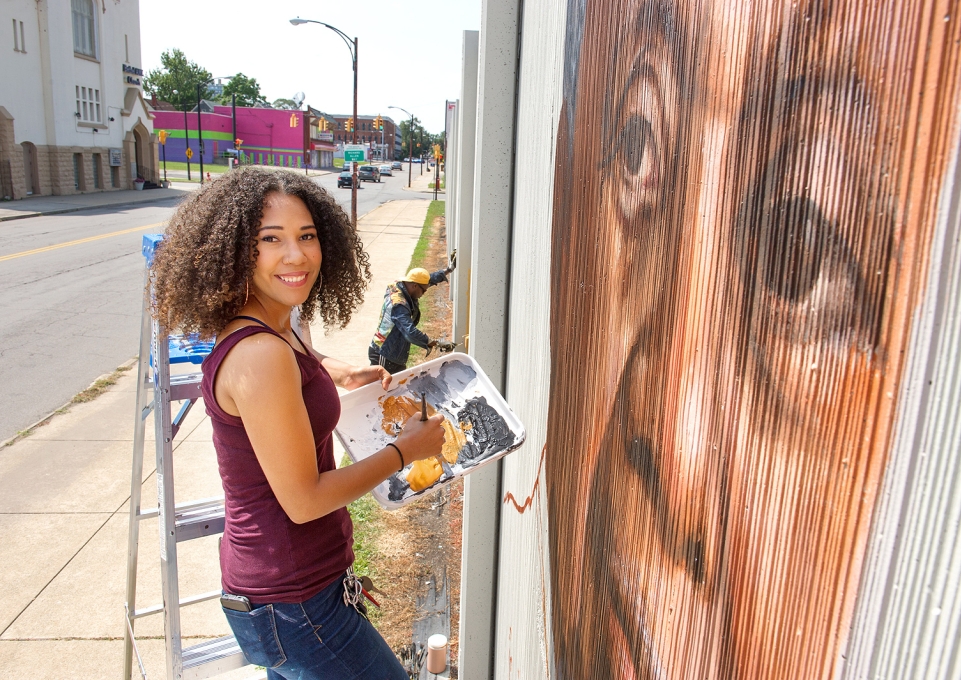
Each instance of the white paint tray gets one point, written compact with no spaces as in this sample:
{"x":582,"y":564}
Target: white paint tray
{"x":455,"y":386}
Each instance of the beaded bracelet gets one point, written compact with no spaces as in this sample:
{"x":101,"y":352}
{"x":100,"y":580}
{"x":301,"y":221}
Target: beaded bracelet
{"x":402,"y":463}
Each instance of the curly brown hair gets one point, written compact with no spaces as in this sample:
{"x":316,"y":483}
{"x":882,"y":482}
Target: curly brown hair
{"x":200,"y":274}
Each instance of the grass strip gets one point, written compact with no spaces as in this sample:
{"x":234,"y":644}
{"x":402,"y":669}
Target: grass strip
{"x":195,"y":167}
{"x":427,"y":236}
{"x":99,"y":386}
{"x":368,"y":526}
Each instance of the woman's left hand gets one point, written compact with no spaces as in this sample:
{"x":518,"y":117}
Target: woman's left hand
{"x":365,"y":375}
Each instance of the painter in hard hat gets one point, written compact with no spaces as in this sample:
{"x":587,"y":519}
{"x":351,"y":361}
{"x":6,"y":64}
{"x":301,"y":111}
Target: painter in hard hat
{"x":399,"y":317}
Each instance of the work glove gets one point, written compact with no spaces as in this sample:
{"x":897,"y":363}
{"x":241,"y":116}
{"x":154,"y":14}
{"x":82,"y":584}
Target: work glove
{"x":445,"y":346}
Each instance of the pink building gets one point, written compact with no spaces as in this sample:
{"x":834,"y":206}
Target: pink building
{"x":268,"y":136}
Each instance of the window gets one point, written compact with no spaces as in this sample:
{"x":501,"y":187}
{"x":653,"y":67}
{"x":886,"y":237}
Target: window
{"x":84,"y":28}
{"x":88,"y":104}
{"x":19,"y":45}
{"x":96,"y":171}
{"x":114,"y":176}
{"x":78,"y":182}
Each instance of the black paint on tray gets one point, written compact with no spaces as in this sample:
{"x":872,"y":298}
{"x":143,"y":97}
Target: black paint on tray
{"x":487,"y":432}
{"x":398,"y":487}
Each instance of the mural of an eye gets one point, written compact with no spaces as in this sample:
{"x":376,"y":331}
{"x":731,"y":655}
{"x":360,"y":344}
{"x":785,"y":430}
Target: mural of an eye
{"x":641,"y":136}
{"x":792,"y":249}
{"x":639,"y":152}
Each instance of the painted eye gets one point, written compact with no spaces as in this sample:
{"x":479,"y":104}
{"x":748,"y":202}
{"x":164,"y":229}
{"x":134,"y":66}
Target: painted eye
{"x":638,"y":149}
{"x":792,"y":249}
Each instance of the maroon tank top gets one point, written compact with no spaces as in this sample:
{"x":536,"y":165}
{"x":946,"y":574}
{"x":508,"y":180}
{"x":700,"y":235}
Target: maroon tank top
{"x":264,"y":555}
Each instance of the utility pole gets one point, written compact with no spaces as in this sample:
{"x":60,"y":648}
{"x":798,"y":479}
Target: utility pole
{"x":200,"y":136}
{"x":233,"y":115}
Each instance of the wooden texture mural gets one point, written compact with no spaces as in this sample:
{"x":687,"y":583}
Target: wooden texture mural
{"x":744,"y":200}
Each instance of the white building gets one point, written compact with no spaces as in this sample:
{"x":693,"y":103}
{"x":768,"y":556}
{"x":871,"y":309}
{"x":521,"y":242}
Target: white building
{"x":72,"y":114}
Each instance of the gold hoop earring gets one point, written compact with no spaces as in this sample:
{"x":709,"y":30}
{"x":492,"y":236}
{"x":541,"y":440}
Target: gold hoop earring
{"x":246,"y":293}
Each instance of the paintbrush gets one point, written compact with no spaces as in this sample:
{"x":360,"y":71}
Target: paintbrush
{"x":423,"y":416}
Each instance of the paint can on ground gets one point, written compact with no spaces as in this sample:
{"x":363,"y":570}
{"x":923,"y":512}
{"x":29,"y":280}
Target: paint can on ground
{"x":436,"y":654}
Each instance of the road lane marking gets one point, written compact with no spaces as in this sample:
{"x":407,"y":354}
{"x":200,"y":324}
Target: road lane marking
{"x":4,"y":258}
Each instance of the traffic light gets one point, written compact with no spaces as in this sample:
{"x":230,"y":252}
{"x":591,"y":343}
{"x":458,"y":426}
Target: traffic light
{"x":378,"y":123}
{"x":238,"y":142}
{"x":349,"y":125}
{"x":294,"y":121}
{"x":162,"y":135}
{"x":322,"y":125}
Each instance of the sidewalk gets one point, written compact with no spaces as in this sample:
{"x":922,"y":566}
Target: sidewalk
{"x":64,"y":512}
{"x":54,"y":205}
{"x":421,"y":183}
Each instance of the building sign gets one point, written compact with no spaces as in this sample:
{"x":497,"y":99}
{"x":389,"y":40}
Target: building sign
{"x":132,"y":75}
{"x":325,"y":136}
{"x":116,"y":158}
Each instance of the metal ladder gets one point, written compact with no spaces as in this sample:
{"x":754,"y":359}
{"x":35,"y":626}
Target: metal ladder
{"x":156,"y":391}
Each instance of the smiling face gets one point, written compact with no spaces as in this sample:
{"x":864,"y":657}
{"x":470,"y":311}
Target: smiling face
{"x":752,"y":295}
{"x":288,"y":253}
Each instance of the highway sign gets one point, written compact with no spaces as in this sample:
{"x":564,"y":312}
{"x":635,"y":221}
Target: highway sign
{"x":353,"y":153}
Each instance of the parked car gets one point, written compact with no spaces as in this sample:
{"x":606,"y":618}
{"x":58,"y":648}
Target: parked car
{"x":396,"y":165}
{"x":368,"y":173}
{"x":345,"y":179}
{"x":385,"y":170}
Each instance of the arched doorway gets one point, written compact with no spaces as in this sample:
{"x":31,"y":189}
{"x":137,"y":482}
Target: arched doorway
{"x":31,"y":169}
{"x":140,"y":146}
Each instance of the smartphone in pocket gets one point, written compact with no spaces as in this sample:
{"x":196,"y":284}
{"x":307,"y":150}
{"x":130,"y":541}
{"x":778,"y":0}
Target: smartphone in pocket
{"x":238,"y":603}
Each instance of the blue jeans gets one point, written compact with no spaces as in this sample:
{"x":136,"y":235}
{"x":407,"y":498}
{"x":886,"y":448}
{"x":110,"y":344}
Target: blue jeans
{"x":320,"y":639}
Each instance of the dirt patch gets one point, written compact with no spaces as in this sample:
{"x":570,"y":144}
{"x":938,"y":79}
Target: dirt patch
{"x":422,"y":539}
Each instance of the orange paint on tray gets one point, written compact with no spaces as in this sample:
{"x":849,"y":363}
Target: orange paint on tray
{"x":396,"y":412}
{"x":398,"y":409}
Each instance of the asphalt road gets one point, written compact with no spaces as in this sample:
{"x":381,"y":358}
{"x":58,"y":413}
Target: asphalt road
{"x":71,"y":298}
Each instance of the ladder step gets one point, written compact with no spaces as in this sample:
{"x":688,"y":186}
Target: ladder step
{"x":199,"y":519}
{"x":186,"y":386}
{"x":187,"y":601}
{"x":212,"y":658}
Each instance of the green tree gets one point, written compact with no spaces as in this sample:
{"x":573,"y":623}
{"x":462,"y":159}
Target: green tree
{"x":246,"y":89}
{"x":284,"y":104}
{"x":176,"y":80}
{"x":421,"y":137}
{"x":423,"y":140}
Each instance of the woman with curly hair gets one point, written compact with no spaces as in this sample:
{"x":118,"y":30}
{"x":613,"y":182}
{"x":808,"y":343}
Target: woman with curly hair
{"x":238,"y":256}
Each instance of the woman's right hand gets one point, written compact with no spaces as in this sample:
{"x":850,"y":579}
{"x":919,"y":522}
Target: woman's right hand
{"x":421,"y":439}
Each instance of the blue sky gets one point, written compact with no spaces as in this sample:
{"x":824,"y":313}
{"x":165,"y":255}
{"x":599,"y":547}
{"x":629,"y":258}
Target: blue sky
{"x":410,"y":50}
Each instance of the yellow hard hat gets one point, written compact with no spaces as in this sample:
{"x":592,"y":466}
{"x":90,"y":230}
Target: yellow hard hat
{"x":418,"y":275}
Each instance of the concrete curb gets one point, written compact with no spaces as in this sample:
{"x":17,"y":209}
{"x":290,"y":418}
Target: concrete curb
{"x":60,"y":211}
{"x":56,"y":412}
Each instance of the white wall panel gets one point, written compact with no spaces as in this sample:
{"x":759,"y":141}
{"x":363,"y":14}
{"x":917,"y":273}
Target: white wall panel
{"x":523,"y":634}
{"x":908,"y":621}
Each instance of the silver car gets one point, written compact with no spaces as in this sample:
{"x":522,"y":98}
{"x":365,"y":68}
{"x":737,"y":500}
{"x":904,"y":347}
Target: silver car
{"x":385,"y":170}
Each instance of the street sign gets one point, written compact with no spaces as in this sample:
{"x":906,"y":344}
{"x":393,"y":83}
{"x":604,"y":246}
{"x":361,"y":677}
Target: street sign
{"x":353,"y":153}
{"x":190,"y":153}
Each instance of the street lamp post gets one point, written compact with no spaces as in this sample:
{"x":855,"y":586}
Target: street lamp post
{"x":352,"y":46}
{"x":410,"y":144}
